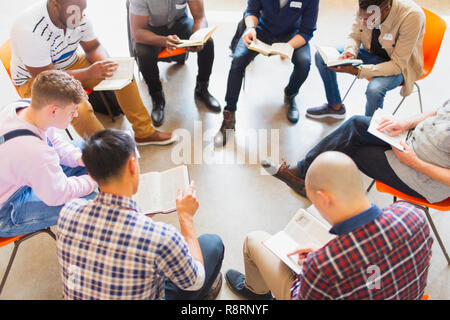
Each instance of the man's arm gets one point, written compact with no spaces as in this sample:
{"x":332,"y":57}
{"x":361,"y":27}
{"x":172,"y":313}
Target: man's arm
{"x":308,"y":25}
{"x":354,"y":40}
{"x":198,"y":14}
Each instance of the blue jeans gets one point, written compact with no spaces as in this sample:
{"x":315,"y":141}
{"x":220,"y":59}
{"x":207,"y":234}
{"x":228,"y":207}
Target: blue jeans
{"x":243,"y":56}
{"x":376,"y":90}
{"x":24,"y":212}
{"x":213,"y":251}
{"x":366,"y":150}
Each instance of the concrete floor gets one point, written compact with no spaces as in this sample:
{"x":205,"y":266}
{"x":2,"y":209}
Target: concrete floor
{"x":235,"y":198}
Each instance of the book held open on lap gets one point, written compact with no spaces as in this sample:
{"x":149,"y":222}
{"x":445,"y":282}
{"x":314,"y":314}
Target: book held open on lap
{"x":198,"y":38}
{"x":283,"y":49}
{"x":303,"y":231}
{"x":331,"y":57}
{"x":121,"y":77}
{"x":157,"y":191}
{"x":393,"y":141}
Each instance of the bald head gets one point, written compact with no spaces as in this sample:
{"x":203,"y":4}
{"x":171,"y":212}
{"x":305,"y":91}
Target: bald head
{"x":335,"y":173}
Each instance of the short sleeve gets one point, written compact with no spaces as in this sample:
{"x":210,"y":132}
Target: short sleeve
{"x":30,"y":48}
{"x":87,"y":30}
{"x":139,"y":8}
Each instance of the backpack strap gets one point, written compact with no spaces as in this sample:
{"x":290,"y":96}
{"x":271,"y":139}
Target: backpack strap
{"x":17,"y":133}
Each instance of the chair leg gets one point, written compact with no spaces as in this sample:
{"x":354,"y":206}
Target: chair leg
{"x":399,"y":105}
{"x":16,"y":247}
{"x":370,"y":186}
{"x":420,"y":96}
{"x":107,"y":106}
{"x":348,"y":91}
{"x":68,"y":133}
{"x":436,"y":234}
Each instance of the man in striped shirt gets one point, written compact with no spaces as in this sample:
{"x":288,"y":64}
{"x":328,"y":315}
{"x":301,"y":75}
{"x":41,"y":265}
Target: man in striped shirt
{"x":376,"y":254}
{"x":47,"y":36}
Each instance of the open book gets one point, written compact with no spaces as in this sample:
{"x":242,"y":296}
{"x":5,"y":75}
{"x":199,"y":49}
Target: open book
{"x":283,"y":49}
{"x":331,"y":57}
{"x":198,"y":38}
{"x":157,"y":192}
{"x":303,"y":231}
{"x":393,"y":141}
{"x":121,"y":78}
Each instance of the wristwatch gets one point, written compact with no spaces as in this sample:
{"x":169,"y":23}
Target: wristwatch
{"x":359,"y":71}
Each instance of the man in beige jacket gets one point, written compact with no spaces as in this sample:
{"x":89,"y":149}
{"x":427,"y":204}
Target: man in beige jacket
{"x":387,"y":36}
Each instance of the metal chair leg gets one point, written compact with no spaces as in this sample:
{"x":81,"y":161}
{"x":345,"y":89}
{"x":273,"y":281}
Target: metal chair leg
{"x":107,"y":106}
{"x":68,"y":133}
{"x":370,"y":186}
{"x":420,"y":96}
{"x":436,"y":234}
{"x":16,"y":247}
{"x":348,"y":91}
{"x":398,"y":107}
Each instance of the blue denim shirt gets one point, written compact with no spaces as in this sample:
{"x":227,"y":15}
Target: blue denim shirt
{"x":357,"y":221}
{"x":297,"y":17}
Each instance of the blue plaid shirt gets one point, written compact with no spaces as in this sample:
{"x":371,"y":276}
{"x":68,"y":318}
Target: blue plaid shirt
{"x":108,"y":250}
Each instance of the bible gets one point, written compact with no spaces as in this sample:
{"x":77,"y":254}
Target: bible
{"x":303,"y":231}
{"x":282,"y":49}
{"x":198,"y":38}
{"x":394,"y":141}
{"x":157,"y":191}
{"x":121,"y":77}
{"x":331,"y":57}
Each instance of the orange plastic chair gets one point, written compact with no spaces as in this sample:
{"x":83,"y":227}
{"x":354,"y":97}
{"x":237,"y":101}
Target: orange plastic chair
{"x":435,"y":28}
{"x":5,"y":57}
{"x":17,"y":241}
{"x":422,"y":204}
{"x":165,"y":54}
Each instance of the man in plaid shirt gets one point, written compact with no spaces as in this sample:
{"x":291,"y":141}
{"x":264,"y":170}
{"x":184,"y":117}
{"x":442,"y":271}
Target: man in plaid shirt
{"x":107,"y":249}
{"x":377,"y":254}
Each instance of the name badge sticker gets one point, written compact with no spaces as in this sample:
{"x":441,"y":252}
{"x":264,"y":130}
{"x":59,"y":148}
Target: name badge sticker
{"x":388,"y":37}
{"x":296,"y":4}
{"x":180,"y":6}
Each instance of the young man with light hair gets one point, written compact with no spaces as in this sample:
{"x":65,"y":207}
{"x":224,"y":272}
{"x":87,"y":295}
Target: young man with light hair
{"x":125,"y":254}
{"x":376,"y":254}
{"x":47,"y":36}
{"x":39,"y":170}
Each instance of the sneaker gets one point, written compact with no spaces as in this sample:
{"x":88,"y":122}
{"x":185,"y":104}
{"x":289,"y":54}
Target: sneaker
{"x":236,"y":282}
{"x":215,"y":288}
{"x":326,"y":111}
{"x":157,"y":138}
{"x":281,"y":171}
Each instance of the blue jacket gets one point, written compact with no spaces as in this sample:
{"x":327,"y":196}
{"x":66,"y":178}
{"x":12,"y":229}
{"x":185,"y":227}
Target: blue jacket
{"x":297,"y":17}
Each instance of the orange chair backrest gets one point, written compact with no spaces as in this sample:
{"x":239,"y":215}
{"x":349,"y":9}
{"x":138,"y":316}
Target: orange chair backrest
{"x":435,"y":28}
{"x":165,"y":54}
{"x":5,"y":57}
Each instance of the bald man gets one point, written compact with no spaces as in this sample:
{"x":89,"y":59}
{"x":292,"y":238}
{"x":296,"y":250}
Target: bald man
{"x":376,"y":254}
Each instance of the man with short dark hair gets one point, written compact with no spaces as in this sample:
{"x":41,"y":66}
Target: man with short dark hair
{"x":157,"y":24}
{"x":39,"y":170}
{"x":387,"y":36}
{"x":107,"y":249}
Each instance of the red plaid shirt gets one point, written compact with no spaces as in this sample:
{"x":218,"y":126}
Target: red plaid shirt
{"x":378,"y":254}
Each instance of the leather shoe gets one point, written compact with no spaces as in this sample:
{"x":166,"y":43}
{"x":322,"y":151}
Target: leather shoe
{"x":292,"y":113}
{"x":236,"y":282}
{"x":215,"y":288}
{"x":228,"y":123}
{"x":202,"y":94}
{"x":159,"y":102}
{"x":282,"y":172}
{"x":157,"y":138}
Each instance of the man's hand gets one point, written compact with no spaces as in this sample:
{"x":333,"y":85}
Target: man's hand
{"x":171,"y":42}
{"x":102,"y":69}
{"x":408,"y":156}
{"x":346,"y":69}
{"x":392,"y":126}
{"x":347,"y":55}
{"x":302,"y":254}
{"x":187,"y":204}
{"x":194,"y":49}
{"x":249,"y":36}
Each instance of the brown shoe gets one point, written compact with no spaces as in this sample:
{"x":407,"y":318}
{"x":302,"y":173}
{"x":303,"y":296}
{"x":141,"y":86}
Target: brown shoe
{"x":228,"y":123}
{"x":157,"y":138}
{"x":282,"y":172}
{"x":215,"y":288}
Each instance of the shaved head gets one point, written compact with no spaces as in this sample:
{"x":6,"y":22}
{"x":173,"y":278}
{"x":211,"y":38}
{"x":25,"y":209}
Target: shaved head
{"x":335,"y":173}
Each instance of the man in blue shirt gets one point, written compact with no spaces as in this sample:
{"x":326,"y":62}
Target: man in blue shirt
{"x":271,"y":21}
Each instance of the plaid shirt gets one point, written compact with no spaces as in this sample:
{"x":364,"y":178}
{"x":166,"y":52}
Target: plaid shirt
{"x":376,"y":255}
{"x":108,"y":250}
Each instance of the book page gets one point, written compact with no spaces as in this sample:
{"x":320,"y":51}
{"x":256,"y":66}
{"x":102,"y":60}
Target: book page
{"x":393,"y":141}
{"x":331,"y":57}
{"x":198,"y":38}
{"x":121,"y":77}
{"x":148,"y":196}
{"x":283,"y":49}
{"x":171,"y":181}
{"x":281,"y":244}
{"x":260,"y":47}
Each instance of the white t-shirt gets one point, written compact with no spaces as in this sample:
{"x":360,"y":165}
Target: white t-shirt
{"x":283,"y":3}
{"x":36,"y":42}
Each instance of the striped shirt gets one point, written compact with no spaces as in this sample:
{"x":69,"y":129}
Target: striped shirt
{"x":36,"y":42}
{"x":108,"y":250}
{"x":378,"y":254}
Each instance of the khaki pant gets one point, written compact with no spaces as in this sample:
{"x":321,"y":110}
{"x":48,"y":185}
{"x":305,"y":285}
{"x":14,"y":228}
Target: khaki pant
{"x":263,"y":270}
{"x":128,"y":98}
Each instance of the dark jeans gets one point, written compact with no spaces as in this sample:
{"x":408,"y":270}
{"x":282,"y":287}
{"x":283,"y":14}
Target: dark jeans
{"x":243,"y":56}
{"x":147,"y":56}
{"x":364,"y":148}
{"x":213,"y":252}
